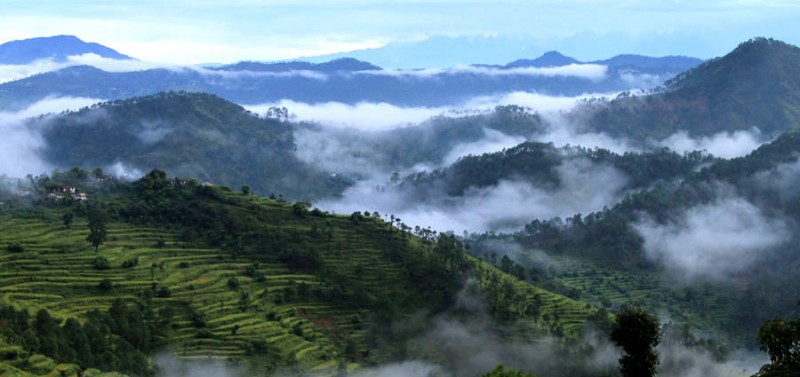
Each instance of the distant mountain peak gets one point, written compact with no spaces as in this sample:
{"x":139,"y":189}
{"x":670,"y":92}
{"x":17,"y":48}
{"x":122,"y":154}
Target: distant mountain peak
{"x":761,"y":60}
{"x":57,"y":47}
{"x":548,"y":59}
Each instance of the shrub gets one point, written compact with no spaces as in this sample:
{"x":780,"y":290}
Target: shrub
{"x":101,"y":263}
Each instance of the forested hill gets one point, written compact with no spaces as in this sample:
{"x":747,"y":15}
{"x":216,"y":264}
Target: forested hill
{"x":729,"y":229}
{"x":755,"y":85}
{"x":99,"y":274}
{"x":187,"y":134}
{"x":538,"y":163}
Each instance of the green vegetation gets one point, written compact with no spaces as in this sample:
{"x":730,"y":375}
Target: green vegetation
{"x":218,"y":274}
{"x":754,"y":85}
{"x":537,"y":162}
{"x":208,"y":138}
{"x":781,"y":340}
{"x":500,"y":371}
{"x":637,"y":332}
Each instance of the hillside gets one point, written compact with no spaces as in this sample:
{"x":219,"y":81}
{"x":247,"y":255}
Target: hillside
{"x":187,"y":134}
{"x":728,"y":230}
{"x":537,"y":163}
{"x":58,"y":48}
{"x":221,"y":275}
{"x":754,"y":86}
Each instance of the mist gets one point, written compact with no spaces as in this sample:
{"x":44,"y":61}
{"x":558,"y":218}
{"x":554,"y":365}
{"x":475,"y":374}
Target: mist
{"x":506,"y":206}
{"x":371,"y":116}
{"x":168,"y":365}
{"x":593,"y":72}
{"x":21,"y":144}
{"x":724,"y":144}
{"x":714,"y":241}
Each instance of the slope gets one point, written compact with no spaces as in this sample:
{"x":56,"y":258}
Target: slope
{"x":217,"y":274}
{"x":754,"y":86}
{"x":728,"y":230}
{"x":188,"y":134}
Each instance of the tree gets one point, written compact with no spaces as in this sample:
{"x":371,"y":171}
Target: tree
{"x":638,"y":333}
{"x":781,"y":340}
{"x":67,"y":219}
{"x":500,"y":371}
{"x":97,"y":227}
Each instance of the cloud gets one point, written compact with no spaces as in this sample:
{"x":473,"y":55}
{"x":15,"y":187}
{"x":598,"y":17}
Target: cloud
{"x":169,"y":366}
{"x":383,"y":116}
{"x":715,"y":240}
{"x":152,"y":132}
{"x":506,"y":206}
{"x":404,"y":369}
{"x":17,"y":72}
{"x":724,"y":144}
{"x":362,"y":116}
{"x":492,"y":141}
{"x":593,"y":72}
{"x":21,"y":144}
{"x":780,"y":182}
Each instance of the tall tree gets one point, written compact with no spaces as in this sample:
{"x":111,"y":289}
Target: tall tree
{"x":781,"y":340}
{"x":97,"y":226}
{"x":638,"y":333}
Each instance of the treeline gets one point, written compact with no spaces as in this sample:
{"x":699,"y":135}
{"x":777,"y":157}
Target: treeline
{"x":537,"y":162}
{"x":118,"y":339}
{"x":764,"y":178}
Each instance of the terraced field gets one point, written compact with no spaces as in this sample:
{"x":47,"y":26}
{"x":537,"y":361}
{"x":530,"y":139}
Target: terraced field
{"x":240,"y":300}
{"x":55,"y":272}
{"x":704,"y":307}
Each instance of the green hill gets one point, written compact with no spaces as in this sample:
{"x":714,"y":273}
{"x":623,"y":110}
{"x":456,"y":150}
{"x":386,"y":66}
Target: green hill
{"x":536,"y":163}
{"x":215,"y":274}
{"x":755,"y":85}
{"x":603,"y":255}
{"x":187,"y":134}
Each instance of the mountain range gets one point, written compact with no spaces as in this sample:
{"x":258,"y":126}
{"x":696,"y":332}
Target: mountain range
{"x":348,"y":80}
{"x":187,"y":256}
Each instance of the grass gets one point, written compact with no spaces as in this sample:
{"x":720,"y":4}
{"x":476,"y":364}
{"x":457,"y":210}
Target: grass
{"x":255,"y":318}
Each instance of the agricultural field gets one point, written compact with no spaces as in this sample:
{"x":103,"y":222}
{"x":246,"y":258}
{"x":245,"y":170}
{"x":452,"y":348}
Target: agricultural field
{"x":292,"y":288}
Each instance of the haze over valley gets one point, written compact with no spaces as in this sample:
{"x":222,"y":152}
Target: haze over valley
{"x":470,"y":199}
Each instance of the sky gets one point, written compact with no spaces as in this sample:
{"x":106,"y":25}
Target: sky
{"x":206,"y":31}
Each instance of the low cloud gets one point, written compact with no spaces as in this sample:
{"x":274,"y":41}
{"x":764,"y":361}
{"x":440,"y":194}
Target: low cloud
{"x":506,"y":206}
{"x":724,"y":144}
{"x":404,"y":369}
{"x":365,"y":116}
{"x":780,"y":182}
{"x":151,"y":132}
{"x":492,"y":141}
{"x":713,"y":241}
{"x":384,"y":116}
{"x":563,"y":131}
{"x":593,"y":72}
{"x":21,"y":71}
{"x":20,"y":145}
{"x":15,"y":72}
{"x":168,"y":365}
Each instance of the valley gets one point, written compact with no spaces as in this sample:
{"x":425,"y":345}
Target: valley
{"x":171,"y":226}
